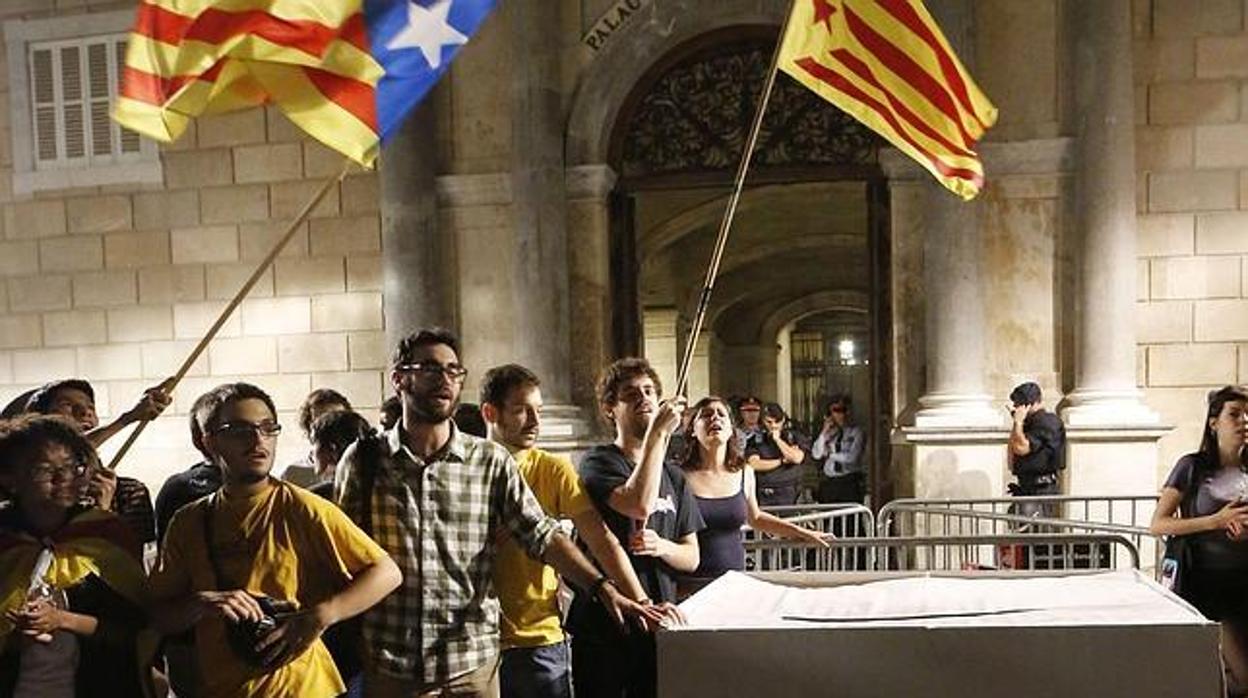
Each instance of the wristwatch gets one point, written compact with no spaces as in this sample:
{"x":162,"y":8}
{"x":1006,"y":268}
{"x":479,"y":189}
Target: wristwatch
{"x":598,"y":584}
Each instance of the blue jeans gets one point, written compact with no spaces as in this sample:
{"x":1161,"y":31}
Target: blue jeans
{"x":536,"y":672}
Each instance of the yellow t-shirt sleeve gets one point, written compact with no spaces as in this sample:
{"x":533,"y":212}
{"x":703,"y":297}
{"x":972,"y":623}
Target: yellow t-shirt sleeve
{"x":348,"y":545}
{"x":573,"y":500}
{"x":170,"y":577}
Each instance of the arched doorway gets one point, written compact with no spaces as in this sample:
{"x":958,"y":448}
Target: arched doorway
{"x":812,"y":220}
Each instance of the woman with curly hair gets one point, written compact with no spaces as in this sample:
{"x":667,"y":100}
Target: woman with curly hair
{"x":71,"y":576}
{"x":723,"y":485}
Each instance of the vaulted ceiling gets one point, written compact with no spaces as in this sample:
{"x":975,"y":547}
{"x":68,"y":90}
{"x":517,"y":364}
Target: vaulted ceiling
{"x":788,"y":242}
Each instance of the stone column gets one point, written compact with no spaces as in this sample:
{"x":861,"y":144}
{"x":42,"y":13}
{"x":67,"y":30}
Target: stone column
{"x":954,"y":311}
{"x":1111,"y":434}
{"x":954,"y":315}
{"x":418,"y":267}
{"x":1104,"y":113}
{"x":539,"y":211}
{"x":956,"y":442}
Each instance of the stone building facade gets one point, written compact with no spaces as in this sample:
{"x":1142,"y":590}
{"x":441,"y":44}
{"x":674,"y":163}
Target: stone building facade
{"x":540,"y":202}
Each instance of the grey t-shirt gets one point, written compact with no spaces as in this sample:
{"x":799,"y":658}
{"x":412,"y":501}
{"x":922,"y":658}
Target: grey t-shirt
{"x":1213,"y":549}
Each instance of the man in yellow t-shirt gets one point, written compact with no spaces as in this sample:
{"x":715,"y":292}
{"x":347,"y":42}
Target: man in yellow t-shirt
{"x":535,"y":657}
{"x":259,"y":536}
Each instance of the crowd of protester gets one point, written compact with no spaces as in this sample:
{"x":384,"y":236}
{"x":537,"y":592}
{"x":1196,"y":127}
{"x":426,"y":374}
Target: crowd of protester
{"x":425,"y":556}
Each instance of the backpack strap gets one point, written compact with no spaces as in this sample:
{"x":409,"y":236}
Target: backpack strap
{"x":368,"y":460}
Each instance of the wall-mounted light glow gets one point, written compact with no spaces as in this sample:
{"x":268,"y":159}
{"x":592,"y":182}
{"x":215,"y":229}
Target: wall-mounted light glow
{"x":846,"y":350}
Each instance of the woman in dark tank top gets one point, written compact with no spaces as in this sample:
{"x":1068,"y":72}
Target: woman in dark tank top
{"x":723,"y":485}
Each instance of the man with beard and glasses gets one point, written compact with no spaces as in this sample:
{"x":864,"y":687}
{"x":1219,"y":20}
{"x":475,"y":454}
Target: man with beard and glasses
{"x":535,"y":661}
{"x":262,"y":567}
{"x":646,"y":503}
{"x":438,"y":499}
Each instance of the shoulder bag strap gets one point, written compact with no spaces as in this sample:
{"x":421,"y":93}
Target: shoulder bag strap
{"x":213,"y":562}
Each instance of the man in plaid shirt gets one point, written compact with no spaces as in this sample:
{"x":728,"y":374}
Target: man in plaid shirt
{"x":436,"y":499}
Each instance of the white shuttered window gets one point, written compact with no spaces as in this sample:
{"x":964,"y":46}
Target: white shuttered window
{"x":65,"y":81}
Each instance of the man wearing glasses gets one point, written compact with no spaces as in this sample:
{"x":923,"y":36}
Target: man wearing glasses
{"x":437,"y":499}
{"x":231,"y":560}
{"x":840,"y":446}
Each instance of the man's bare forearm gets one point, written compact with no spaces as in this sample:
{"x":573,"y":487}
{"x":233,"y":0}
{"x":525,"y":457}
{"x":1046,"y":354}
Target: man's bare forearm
{"x":607,"y":550}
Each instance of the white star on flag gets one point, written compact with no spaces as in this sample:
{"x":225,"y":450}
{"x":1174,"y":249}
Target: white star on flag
{"x":428,"y":30}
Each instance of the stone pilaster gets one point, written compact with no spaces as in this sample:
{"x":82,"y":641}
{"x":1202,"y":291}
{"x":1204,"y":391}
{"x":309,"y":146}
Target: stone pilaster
{"x":589,"y":190}
{"x":539,"y":279}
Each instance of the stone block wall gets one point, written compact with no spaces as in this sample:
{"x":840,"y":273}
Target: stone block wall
{"x":115,"y":284}
{"x":1191,"y":74}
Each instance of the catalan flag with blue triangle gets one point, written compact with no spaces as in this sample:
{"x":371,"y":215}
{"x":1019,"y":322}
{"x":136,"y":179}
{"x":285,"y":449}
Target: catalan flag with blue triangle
{"x":345,"y":71}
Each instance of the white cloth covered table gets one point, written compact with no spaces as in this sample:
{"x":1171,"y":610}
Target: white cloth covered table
{"x":936,"y":635}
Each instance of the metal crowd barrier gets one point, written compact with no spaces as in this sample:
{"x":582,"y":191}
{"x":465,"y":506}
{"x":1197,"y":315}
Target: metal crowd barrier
{"x":1127,"y":516}
{"x":840,"y":520}
{"x":1019,"y":552}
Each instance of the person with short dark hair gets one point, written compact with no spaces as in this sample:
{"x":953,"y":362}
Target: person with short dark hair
{"x":261,"y":568}
{"x":331,"y":434}
{"x":1205,"y":500}
{"x":438,"y":499}
{"x":776,"y":453}
{"x":318,"y":402}
{"x":536,"y":662}
{"x":839,"y":446}
{"x":128,"y":497}
{"x":72,"y":576}
{"x":1037,"y":443}
{"x":647,"y":505}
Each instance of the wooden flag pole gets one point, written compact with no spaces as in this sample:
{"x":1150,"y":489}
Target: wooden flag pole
{"x":262,"y":267}
{"x":712,"y":271}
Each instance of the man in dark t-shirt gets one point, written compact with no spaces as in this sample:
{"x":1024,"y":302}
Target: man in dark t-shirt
{"x":647,"y":507}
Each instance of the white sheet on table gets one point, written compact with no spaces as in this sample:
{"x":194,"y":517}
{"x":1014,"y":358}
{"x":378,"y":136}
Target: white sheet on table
{"x":737,"y":600}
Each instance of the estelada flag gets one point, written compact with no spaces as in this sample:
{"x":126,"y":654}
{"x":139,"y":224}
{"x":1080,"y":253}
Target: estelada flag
{"x":345,"y":71}
{"x":887,"y":64}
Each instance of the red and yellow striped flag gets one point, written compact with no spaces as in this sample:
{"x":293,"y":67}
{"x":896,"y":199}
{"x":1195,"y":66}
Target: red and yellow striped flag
{"x":191,"y":57}
{"x":345,"y":71}
{"x":887,"y":64}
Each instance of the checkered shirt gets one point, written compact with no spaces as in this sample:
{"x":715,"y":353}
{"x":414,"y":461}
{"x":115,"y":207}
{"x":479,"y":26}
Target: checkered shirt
{"x":438,"y":520}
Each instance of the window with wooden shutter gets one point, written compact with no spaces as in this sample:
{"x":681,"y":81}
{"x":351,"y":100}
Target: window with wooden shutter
{"x":73,"y":84}
{"x":64,"y":78}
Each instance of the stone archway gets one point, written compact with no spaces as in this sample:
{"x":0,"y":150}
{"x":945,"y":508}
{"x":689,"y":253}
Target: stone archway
{"x":681,"y":62}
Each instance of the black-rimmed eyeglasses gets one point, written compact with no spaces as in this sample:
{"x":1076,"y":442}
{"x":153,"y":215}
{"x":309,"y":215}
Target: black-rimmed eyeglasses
{"x":431,"y":369}
{"x":240,"y":429}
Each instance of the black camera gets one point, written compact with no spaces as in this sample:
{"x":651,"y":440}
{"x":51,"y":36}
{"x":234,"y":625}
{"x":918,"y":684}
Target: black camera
{"x":246,"y":634}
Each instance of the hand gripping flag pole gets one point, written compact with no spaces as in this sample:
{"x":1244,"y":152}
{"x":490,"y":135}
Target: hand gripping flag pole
{"x":725,"y":224}
{"x":252,"y":280}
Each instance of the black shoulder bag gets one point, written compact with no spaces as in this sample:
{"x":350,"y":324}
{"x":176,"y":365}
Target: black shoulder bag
{"x":1180,"y":555}
{"x":243,"y":635}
